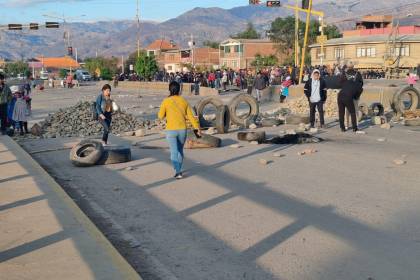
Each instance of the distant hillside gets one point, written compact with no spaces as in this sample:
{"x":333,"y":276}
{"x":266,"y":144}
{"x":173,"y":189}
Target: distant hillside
{"x":116,"y":38}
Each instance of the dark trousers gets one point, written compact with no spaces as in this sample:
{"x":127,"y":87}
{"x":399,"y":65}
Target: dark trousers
{"x":23,"y":126}
{"x":249,"y":90}
{"x":349,"y":105}
{"x":106,"y":123}
{"x":3,"y":116}
{"x":312,"y":109}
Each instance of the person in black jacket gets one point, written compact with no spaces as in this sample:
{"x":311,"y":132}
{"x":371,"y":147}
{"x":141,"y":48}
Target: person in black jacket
{"x":316,"y":91}
{"x":351,"y":89}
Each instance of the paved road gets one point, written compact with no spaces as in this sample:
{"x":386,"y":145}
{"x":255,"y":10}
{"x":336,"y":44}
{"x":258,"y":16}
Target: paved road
{"x":346,"y":212}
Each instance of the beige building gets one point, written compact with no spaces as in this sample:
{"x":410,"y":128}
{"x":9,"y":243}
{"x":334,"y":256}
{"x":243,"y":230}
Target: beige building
{"x":240,"y":53}
{"x":373,"y":44}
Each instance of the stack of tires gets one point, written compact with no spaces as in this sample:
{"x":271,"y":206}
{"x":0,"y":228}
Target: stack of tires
{"x":400,"y":107}
{"x":90,"y":152}
{"x":227,"y":114}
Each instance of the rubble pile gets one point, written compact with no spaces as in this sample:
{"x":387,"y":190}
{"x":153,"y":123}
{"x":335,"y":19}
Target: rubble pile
{"x":300,"y":105}
{"x":76,"y":121}
{"x":412,"y":114}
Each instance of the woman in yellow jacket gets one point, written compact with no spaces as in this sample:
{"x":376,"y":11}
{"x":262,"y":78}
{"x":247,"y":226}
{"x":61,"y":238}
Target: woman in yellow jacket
{"x":176,"y":110}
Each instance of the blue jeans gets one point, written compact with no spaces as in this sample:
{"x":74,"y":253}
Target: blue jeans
{"x":176,"y":140}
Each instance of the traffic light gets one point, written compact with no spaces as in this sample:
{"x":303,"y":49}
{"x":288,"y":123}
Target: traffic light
{"x":254,"y":2}
{"x":33,"y":26}
{"x":50,"y":24}
{"x":273,"y":4}
{"x":14,"y":26}
{"x":305,"y":4}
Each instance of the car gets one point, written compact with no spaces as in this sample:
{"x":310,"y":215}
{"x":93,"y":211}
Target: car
{"x":83,"y":75}
{"x":43,"y":75}
{"x":20,"y":76}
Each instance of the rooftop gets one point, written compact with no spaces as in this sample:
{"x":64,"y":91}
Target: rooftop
{"x":162,"y":44}
{"x":59,"y":62}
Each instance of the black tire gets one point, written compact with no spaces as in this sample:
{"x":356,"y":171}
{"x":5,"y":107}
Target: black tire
{"x":86,"y":153}
{"x":412,"y":122}
{"x":258,"y":136}
{"x":270,"y":122}
{"x":295,"y":119}
{"x":207,"y":140}
{"x":397,"y":104}
{"x":222,"y":119}
{"x":253,"y":112}
{"x":377,"y":109}
{"x":216,"y":102}
{"x":115,"y":154}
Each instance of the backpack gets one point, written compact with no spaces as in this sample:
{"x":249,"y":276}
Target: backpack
{"x":94,"y":112}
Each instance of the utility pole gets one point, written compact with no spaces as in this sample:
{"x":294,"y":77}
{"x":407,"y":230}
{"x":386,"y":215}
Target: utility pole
{"x":138,"y":30}
{"x":297,"y":34}
{"x":305,"y":41}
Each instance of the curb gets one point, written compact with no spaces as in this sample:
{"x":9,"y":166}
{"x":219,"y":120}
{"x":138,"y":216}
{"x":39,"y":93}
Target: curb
{"x":119,"y":262}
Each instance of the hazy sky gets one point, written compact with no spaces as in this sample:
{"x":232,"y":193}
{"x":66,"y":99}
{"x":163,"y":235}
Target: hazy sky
{"x":25,"y":11}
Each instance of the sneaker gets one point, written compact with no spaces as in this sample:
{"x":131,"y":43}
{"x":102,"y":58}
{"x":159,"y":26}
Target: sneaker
{"x":343,"y":130}
{"x":355,"y":129}
{"x":179,"y":176}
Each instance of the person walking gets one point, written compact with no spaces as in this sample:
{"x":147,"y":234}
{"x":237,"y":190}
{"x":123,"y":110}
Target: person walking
{"x":316,"y":92}
{"x":104,"y":108}
{"x":5,"y":98}
{"x":176,"y":110}
{"x":259,"y":85}
{"x":20,"y":110}
{"x":351,"y":89}
{"x":250,"y":82}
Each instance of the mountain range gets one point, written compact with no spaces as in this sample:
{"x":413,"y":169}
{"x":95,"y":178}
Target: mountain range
{"x":119,"y":38}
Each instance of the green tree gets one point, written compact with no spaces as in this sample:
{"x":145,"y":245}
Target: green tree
{"x":62,"y":73}
{"x":264,"y":61}
{"x":249,"y":33}
{"x":146,"y":66}
{"x":283,"y":32}
{"x":14,"y":68}
{"x":107,"y":66}
{"x":211,"y":44}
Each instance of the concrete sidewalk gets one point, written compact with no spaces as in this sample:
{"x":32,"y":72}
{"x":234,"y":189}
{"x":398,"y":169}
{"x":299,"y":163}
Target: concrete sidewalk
{"x":43,"y":234}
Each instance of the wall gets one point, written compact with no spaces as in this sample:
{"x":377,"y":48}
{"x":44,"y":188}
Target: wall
{"x":163,"y":87}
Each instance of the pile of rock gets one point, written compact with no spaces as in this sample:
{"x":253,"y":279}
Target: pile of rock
{"x":300,"y":105}
{"x":77,"y":121}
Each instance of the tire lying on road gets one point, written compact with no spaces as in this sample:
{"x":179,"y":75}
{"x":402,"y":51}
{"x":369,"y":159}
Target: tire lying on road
{"x":258,"y":136}
{"x":253,"y":111}
{"x":216,"y":102}
{"x":114,"y":154}
{"x":377,"y":109}
{"x":86,"y":153}
{"x":222,"y":119}
{"x":412,"y":122}
{"x":397,"y":102}
{"x":270,"y":122}
{"x":295,"y":119}
{"x":206,"y":141}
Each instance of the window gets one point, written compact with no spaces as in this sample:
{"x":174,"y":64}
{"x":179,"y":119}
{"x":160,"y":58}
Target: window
{"x":366,"y":52}
{"x":234,"y":64}
{"x":151,"y":53}
{"x":402,"y":51}
{"x":237,"y":48}
{"x":227,"y":49}
{"x":170,"y":68}
{"x":338,"y":53}
{"x":171,"y":57}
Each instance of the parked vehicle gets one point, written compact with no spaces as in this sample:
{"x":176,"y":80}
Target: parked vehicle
{"x":83,"y":75}
{"x":43,"y":75}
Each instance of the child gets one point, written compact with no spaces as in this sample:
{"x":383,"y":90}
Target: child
{"x":285,"y":89}
{"x":20,"y":112}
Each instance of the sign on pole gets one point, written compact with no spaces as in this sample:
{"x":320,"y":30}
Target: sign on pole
{"x":321,"y":39}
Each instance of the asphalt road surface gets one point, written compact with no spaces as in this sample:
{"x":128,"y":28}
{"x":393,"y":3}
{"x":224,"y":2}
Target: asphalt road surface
{"x":345,"y":212}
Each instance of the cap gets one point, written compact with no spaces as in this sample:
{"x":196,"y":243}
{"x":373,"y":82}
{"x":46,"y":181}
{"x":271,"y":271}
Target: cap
{"x":15,"y":89}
